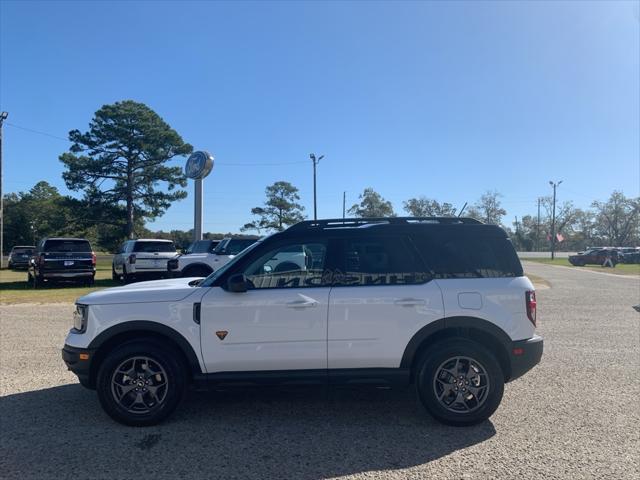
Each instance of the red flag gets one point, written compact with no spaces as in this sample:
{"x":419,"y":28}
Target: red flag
{"x":559,"y":237}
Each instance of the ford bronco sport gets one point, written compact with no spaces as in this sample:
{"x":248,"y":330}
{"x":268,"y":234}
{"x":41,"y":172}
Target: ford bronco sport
{"x":438,"y":302}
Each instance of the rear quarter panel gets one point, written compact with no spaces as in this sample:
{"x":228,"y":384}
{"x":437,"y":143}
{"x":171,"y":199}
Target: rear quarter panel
{"x":500,"y":301}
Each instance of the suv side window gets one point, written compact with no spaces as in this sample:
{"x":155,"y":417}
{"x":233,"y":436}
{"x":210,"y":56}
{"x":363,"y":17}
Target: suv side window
{"x":293,"y":265}
{"x":458,"y":256}
{"x":389,"y":260}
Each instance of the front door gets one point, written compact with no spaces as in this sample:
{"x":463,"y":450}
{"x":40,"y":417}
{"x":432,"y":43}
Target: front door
{"x":280,"y":323}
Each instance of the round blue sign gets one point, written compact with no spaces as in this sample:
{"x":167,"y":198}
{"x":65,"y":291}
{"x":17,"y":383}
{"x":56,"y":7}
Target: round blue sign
{"x":199,"y":165}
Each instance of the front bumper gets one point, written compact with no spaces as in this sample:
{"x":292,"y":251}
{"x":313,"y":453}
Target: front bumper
{"x":524,"y":355}
{"x":78,"y":360}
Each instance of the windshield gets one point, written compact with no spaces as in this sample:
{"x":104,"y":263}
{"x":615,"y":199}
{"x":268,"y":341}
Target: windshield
{"x":233,"y":246}
{"x":207,"y":282}
{"x":20,"y":251}
{"x":201,"y":246}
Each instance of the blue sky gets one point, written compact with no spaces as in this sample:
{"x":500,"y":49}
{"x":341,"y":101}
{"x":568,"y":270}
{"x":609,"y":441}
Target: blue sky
{"x":443,"y":99}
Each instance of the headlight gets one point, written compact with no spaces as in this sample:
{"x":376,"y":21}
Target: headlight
{"x":80,"y":318}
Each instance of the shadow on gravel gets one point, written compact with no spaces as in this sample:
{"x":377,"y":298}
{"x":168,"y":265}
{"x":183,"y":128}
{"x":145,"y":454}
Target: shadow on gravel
{"x":304,"y":434}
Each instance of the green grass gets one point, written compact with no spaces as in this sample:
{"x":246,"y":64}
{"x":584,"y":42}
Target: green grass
{"x":620,"y":269}
{"x":15,"y":289}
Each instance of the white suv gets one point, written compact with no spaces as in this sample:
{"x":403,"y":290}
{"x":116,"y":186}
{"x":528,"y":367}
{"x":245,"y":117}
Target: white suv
{"x":142,"y":258}
{"x":438,"y":302}
{"x":205,"y":263}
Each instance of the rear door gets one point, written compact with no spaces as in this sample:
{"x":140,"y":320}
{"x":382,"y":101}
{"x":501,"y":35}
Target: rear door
{"x":382,"y":296}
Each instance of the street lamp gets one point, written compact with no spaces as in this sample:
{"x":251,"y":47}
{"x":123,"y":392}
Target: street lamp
{"x":553,"y":219}
{"x":315,"y":162}
{"x":3,"y":117}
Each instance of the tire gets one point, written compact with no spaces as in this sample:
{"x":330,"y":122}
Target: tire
{"x":434,"y":380}
{"x":197,"y":271}
{"x":36,"y":281}
{"x":139,"y":407}
{"x":114,"y":276}
{"x":126,"y":278}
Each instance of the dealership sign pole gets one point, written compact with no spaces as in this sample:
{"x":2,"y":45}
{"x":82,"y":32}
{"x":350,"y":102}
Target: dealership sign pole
{"x":198,"y":166}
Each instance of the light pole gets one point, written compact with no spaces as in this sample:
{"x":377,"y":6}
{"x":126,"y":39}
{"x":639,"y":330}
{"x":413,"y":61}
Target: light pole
{"x":3,"y":117}
{"x":315,"y":162}
{"x":553,"y":219}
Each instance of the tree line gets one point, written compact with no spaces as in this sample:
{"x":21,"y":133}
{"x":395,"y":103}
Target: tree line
{"x":121,"y":167}
{"x":615,"y":222}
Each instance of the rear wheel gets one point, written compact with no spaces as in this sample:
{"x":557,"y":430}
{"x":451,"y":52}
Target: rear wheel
{"x":141,"y":383}
{"x":35,"y":281}
{"x":126,"y":277}
{"x":460,"y":382}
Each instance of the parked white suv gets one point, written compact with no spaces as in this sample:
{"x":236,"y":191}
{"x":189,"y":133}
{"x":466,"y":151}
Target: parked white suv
{"x":205,"y":263}
{"x":438,"y":302}
{"x":142,"y":259}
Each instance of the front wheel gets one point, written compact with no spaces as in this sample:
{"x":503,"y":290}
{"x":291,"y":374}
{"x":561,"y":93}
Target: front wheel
{"x":460,"y":382}
{"x":141,"y":383}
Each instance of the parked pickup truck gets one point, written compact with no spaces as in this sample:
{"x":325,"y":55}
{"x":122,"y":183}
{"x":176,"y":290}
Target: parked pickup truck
{"x":203,"y":264}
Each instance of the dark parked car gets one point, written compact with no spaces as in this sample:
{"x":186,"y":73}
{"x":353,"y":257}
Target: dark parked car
{"x":67,"y":259}
{"x":20,"y":255}
{"x":595,"y":256}
{"x":630,"y":254}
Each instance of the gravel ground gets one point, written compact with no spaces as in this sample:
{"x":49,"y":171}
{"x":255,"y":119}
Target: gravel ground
{"x":576,"y":415}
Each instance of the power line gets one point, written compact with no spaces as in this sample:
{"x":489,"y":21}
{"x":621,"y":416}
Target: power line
{"x":230,"y":164}
{"x":36,"y":131}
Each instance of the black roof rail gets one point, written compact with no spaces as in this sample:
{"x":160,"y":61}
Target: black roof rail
{"x":361,"y":222}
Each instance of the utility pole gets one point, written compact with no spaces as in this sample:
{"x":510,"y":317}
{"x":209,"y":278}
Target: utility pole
{"x":3,"y":117}
{"x":344,"y":204}
{"x":315,"y":162}
{"x":538,"y":228}
{"x":553,"y":219}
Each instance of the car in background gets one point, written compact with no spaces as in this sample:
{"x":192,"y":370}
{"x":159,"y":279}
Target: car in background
{"x":144,"y":258}
{"x":20,"y":255}
{"x":595,"y":256}
{"x":629,"y":254}
{"x":202,"y":246}
{"x":203,"y":264}
{"x":62,"y":259}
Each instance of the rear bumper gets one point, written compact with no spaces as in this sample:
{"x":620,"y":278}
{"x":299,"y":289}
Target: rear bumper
{"x":65,"y":274}
{"x":80,"y":366}
{"x":524,"y":355}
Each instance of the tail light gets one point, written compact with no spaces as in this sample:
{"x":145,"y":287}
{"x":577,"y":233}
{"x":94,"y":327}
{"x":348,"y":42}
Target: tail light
{"x":132,"y":259}
{"x":93,"y":259}
{"x":530,"y":300}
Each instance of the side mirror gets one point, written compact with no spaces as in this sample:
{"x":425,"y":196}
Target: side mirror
{"x":237,"y":283}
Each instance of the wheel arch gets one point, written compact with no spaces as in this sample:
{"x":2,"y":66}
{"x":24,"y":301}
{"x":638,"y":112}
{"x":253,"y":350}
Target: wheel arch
{"x":141,"y":329}
{"x":477,"y":329}
{"x":191,"y":266}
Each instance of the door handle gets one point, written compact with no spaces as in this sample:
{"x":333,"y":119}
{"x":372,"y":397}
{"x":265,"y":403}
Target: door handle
{"x":301,"y":304}
{"x":409,"y":302}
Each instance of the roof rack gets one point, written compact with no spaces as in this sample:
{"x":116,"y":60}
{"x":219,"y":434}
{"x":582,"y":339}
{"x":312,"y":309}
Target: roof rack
{"x":366,"y":222}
